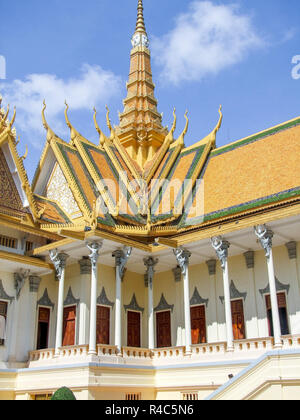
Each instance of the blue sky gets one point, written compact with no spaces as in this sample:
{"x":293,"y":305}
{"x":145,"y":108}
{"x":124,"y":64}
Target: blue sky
{"x":204,"y":53}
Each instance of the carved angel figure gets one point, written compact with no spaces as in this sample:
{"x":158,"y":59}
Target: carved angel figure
{"x":20,"y":279}
{"x":59,"y":261}
{"x":94,"y":247}
{"x":182,"y":257}
{"x":265,"y":238}
{"x":122,"y":257}
{"x":221,"y":248}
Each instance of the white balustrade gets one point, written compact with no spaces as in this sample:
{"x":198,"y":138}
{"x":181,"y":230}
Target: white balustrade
{"x":242,"y":349}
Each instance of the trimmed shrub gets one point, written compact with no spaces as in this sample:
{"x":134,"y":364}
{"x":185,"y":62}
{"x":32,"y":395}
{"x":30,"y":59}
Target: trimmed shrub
{"x":63,"y":394}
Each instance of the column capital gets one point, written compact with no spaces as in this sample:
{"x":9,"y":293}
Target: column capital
{"x":59,"y":260}
{"x":212,"y":265}
{"x":85,"y":265}
{"x":221,"y":247}
{"x":34,"y":283}
{"x":150,"y":263}
{"x":183,"y":258}
{"x":292,"y":250}
{"x":121,"y":256}
{"x":94,"y":247}
{"x":249,"y":258}
{"x":265,"y":237}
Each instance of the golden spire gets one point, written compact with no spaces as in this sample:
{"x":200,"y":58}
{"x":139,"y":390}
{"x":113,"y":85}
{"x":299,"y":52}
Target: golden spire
{"x":140,"y":130}
{"x":140,"y":23}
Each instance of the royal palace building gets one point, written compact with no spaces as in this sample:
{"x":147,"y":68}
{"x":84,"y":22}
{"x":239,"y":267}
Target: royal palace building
{"x":141,"y":269}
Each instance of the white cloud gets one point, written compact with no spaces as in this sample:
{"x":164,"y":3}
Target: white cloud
{"x":205,"y":40}
{"x":93,"y":87}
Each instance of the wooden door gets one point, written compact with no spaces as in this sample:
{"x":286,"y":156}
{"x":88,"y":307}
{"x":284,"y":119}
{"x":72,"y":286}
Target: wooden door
{"x":69,"y":327}
{"x":133,"y":329}
{"x":198,"y":324}
{"x":163,"y":329}
{"x":283,"y":316}
{"x":3,"y":314}
{"x":238,"y":322}
{"x":103,"y":324}
{"x":43,"y":328}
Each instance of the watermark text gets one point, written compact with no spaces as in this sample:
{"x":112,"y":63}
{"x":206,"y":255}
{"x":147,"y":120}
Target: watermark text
{"x":2,"y":68}
{"x":296,"y":68}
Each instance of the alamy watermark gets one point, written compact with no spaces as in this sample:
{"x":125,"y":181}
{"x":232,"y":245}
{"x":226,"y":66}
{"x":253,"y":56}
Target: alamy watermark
{"x":296,"y":68}
{"x":160,"y":198}
{"x":2,"y":68}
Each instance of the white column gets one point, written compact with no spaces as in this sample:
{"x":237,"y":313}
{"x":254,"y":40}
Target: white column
{"x":213,"y":330}
{"x":94,"y":247}
{"x":150,"y":264}
{"x":84,"y":322}
{"x":121,"y":258}
{"x":59,"y":261}
{"x":221,"y":247}
{"x":183,"y":257}
{"x":265,"y":236}
{"x":180,"y":339}
{"x":34,"y":283}
{"x":16,"y":340}
{"x":295,"y":287}
{"x":250,"y":263}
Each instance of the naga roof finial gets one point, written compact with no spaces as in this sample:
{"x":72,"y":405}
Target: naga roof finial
{"x":108,"y":122}
{"x":102,"y":137}
{"x":3,"y":120}
{"x":74,"y":133}
{"x":170,"y":136}
{"x":218,"y":126}
{"x":182,"y":135}
{"x":66,"y":115}
{"x":50,"y":133}
{"x":13,"y":118}
{"x":45,"y":124}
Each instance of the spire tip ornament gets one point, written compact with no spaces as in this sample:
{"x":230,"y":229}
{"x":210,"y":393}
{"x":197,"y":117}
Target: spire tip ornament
{"x":140,"y":37}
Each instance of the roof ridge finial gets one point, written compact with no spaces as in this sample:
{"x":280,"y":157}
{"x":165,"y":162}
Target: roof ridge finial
{"x":140,"y":23}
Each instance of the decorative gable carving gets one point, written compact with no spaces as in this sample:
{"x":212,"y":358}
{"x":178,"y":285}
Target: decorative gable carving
{"x":59,"y":190}
{"x":9,"y":196}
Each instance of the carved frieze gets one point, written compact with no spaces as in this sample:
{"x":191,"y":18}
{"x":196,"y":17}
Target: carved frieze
{"x":3,"y":294}
{"x":70,"y":299}
{"x":103,"y":299}
{"x":279,"y":288}
{"x":234,"y":293}
{"x":133,"y":306}
{"x":163,"y":305}
{"x":45,"y":300}
{"x":197,"y":299}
